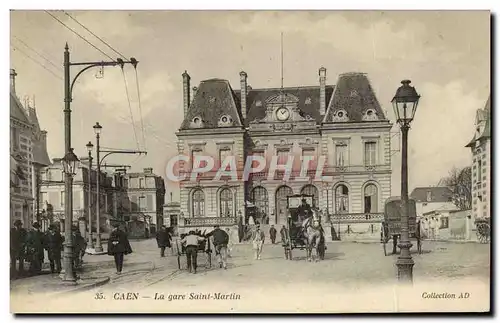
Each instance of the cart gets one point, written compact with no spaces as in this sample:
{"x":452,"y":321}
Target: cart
{"x":391,"y":225}
{"x":294,"y":240}
{"x":483,"y":229}
{"x":203,"y":247}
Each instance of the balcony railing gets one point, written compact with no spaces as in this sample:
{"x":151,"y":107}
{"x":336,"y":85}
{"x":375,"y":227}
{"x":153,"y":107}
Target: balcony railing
{"x":209,"y":221}
{"x":356,"y":217}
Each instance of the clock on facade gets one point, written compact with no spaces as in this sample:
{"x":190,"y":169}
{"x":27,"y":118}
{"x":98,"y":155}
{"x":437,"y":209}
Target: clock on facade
{"x":282,"y":114}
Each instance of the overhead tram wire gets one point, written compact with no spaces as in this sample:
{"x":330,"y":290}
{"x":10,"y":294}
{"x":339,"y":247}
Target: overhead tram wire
{"x":37,"y":62}
{"x":36,"y":52}
{"x":140,"y":108}
{"x":130,"y":108}
{"x":88,"y":42}
{"x":93,"y":34}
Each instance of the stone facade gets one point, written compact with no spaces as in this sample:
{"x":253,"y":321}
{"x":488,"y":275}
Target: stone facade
{"x":342,"y":125}
{"x":480,"y":146}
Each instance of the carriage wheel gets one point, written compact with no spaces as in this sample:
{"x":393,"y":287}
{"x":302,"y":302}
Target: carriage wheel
{"x":483,"y":233}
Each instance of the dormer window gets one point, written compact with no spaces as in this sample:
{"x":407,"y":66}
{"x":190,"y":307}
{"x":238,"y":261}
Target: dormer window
{"x":211,"y":99}
{"x":197,"y":122}
{"x":429,"y":196}
{"x":370,"y":115}
{"x":340,"y":115}
{"x":258,"y":103}
{"x":308,"y":101}
{"x":225,"y":121}
{"x":354,"y":93}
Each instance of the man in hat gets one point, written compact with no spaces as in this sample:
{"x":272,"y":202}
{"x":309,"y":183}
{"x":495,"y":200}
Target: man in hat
{"x":18,"y":237}
{"x":163,"y":240}
{"x":118,"y":246}
{"x":191,"y":242}
{"x":258,"y":238}
{"x":80,"y":245}
{"x":54,"y":244}
{"x":35,"y":247}
{"x":220,"y":239}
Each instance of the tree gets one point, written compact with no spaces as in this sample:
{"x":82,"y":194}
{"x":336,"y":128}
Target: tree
{"x":460,"y":182}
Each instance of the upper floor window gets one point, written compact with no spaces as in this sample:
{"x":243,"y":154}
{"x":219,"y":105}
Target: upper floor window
{"x":14,"y":137}
{"x":141,"y":182}
{"x":429,"y":196}
{"x":223,"y":154}
{"x":282,"y":156}
{"x":311,"y":152}
{"x":194,"y":153}
{"x":341,"y":154}
{"x":370,"y":153}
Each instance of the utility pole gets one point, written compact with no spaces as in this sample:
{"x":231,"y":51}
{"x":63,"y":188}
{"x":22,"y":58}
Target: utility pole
{"x":69,"y":275}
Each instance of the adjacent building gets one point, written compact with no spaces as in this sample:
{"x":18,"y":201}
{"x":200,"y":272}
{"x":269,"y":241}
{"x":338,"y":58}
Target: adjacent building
{"x":480,"y":146}
{"x":146,"y":192}
{"x":343,"y":123}
{"x":431,"y":199}
{"x":28,"y":156}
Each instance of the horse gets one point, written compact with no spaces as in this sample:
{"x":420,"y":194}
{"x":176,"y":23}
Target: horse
{"x":314,"y":236}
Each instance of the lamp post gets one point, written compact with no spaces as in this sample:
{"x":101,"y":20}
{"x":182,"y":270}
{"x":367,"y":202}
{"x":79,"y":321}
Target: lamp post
{"x":90,"y":240}
{"x":70,"y":164}
{"x":405,"y":104}
{"x":98,"y":246}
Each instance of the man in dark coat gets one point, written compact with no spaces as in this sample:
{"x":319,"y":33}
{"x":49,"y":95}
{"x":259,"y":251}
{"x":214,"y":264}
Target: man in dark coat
{"x":272,"y":234}
{"x":118,"y":246}
{"x":18,"y":237}
{"x":54,"y":244}
{"x":220,"y":240}
{"x":163,"y":240}
{"x":285,"y":241}
{"x":79,"y":246}
{"x":35,"y":246}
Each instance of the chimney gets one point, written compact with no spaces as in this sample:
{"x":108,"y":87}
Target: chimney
{"x":243,"y":91}
{"x":195,"y":89}
{"x":322,"y":91}
{"x":13,"y":75}
{"x":148,"y":170}
{"x":185,"y":81}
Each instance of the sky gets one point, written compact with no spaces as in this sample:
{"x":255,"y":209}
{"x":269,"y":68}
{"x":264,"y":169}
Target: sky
{"x":446,"y":55}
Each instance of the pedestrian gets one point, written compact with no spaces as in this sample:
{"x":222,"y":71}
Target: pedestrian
{"x":118,"y":246}
{"x":285,"y":242}
{"x":54,"y":244}
{"x":220,"y":239}
{"x":163,"y":239}
{"x":191,"y":241}
{"x":18,"y":236}
{"x":258,"y":241}
{"x":79,"y":246}
{"x":229,"y":244}
{"x":35,"y":247}
{"x":272,"y":234}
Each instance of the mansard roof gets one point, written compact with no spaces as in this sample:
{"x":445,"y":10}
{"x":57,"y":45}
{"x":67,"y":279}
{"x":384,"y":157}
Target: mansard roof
{"x":353,"y":94}
{"x":213,"y":99}
{"x":308,"y":103}
{"x":40,"y":154}
{"x":482,"y":115}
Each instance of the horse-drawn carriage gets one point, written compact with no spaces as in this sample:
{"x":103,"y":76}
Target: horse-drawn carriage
{"x":391,"y":225}
{"x":203,"y":247}
{"x":303,"y":230}
{"x":483,"y":229}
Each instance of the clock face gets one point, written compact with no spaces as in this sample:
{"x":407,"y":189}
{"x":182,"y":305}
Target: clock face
{"x":283,"y":114}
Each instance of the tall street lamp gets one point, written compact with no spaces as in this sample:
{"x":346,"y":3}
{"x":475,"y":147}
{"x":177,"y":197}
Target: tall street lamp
{"x":90,"y":240}
{"x":70,"y":165}
{"x":98,"y":246}
{"x":405,"y":104}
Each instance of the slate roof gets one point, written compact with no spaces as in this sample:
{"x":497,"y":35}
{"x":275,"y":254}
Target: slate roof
{"x":482,"y":115}
{"x":308,"y":101}
{"x":40,"y":154}
{"x":17,"y":110}
{"x":354,"y":94}
{"x":438,"y":194}
{"x":214,"y":98}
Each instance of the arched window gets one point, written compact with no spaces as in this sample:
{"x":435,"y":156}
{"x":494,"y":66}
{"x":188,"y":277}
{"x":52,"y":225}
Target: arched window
{"x":341,"y":199}
{"x":226,"y":203}
{"x":311,"y":190}
{"x":281,"y":203}
{"x":371,"y":198}
{"x":198,"y":203}
{"x":260,"y":199}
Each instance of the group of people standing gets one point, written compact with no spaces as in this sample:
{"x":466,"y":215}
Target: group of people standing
{"x":30,"y":246}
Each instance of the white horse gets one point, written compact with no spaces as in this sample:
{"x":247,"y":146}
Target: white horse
{"x":314,"y":235}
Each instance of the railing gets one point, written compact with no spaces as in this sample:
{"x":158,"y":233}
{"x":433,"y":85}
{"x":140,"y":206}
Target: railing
{"x":356,"y":217}
{"x":209,"y":221}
